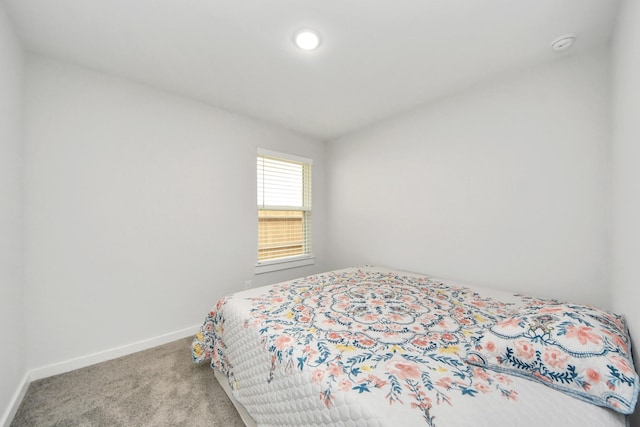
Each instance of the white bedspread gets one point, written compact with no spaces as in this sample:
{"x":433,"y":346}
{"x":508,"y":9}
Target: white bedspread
{"x":374,"y":347}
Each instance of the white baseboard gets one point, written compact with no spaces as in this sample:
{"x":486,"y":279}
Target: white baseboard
{"x":14,"y":404}
{"x":103,"y":356}
{"x":83,"y":361}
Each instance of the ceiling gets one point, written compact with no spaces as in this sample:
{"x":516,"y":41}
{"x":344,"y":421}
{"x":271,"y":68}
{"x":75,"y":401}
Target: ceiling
{"x":378,"y":58}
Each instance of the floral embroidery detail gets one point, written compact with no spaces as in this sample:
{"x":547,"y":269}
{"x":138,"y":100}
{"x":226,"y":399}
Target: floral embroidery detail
{"x":583,"y":334}
{"x":592,"y":375}
{"x":396,"y":336}
{"x":524,"y":349}
{"x":555,"y":358}
{"x":403,"y":369}
{"x":209,"y":342}
{"x":580,"y":350}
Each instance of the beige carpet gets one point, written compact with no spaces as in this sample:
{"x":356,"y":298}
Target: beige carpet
{"x":155,"y":387}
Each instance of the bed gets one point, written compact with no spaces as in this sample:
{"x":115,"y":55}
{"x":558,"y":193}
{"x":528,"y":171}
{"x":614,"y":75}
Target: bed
{"x":371,"y":346}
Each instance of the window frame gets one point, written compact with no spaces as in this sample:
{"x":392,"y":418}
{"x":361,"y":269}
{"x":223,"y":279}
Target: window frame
{"x":294,"y":261}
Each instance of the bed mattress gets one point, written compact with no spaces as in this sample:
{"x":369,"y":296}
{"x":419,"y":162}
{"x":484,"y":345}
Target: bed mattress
{"x":375,"y":347}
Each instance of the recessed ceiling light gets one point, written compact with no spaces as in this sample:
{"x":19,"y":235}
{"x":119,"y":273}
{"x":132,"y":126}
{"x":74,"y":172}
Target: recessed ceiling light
{"x":563,"y":42}
{"x":307,"y":39}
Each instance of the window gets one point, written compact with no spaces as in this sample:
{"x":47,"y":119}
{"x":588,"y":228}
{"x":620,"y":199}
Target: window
{"x":284,"y":210}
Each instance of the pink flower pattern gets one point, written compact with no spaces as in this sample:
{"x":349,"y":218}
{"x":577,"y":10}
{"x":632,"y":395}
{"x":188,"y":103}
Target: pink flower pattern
{"x":524,"y":349}
{"x":404,"y":338}
{"x":583,"y":334}
{"x":403,"y":369}
{"x":401,"y":337}
{"x":555,"y":358}
{"x":580,"y":350}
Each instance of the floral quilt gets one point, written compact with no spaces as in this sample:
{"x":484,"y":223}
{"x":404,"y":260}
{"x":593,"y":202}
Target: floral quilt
{"x":398,"y":337}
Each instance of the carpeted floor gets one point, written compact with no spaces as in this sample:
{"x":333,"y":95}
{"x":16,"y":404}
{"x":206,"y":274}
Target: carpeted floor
{"x":155,"y":387}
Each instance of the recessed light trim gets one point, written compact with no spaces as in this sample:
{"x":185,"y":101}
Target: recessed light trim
{"x":306,"y":39}
{"x":563,"y":43}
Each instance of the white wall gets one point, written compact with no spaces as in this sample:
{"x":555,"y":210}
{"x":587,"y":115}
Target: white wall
{"x":140,"y":209}
{"x":625,"y":160}
{"x":503,"y":185}
{"x":12,"y":326}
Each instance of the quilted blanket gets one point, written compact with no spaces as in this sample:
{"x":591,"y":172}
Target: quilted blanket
{"x":371,"y":346}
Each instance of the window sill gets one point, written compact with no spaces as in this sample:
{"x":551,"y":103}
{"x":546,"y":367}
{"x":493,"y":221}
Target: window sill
{"x":283,"y":264}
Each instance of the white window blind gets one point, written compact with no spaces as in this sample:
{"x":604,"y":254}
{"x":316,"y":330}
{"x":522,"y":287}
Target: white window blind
{"x":284,"y":206}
